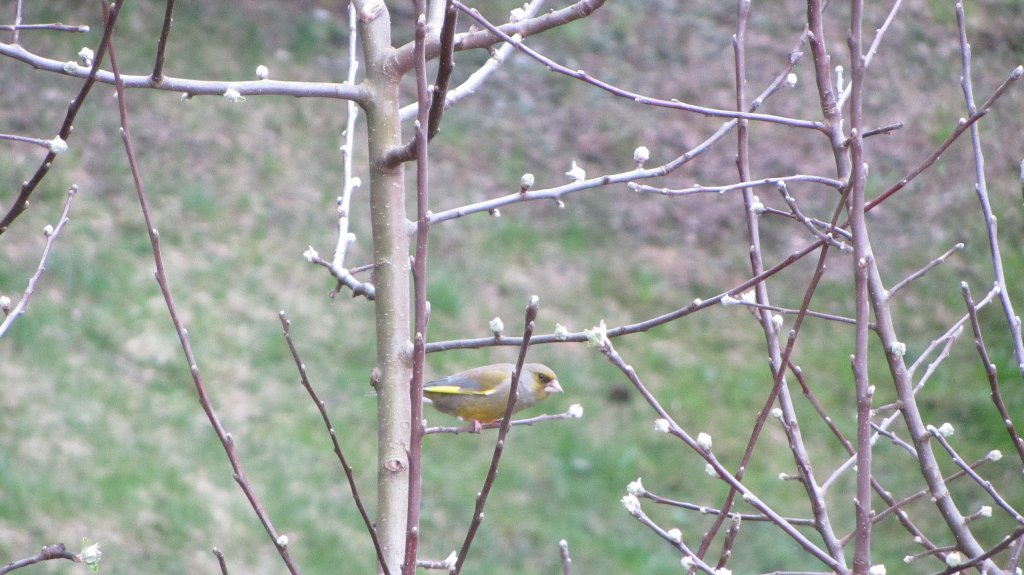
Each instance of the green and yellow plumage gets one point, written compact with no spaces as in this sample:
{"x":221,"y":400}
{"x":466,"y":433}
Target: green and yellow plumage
{"x":481,"y":394}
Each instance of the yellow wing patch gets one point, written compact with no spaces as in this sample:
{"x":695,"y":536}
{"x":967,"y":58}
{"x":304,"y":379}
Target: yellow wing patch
{"x":456,"y":390}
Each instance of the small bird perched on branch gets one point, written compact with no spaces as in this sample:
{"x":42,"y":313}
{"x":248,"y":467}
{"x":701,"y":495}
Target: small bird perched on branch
{"x":480,"y":395}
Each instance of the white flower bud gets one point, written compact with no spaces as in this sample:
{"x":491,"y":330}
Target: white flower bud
{"x":91,"y":555}
{"x":946,"y":429}
{"x":723,"y":571}
{"x":561,"y":332}
{"x":632,"y":504}
{"x":710,"y":470}
{"x":756,"y":207}
{"x":282,"y":541}
{"x":497,"y":326}
{"x":576,"y":173}
{"x":575,"y":411}
{"x":791,"y":79}
{"x":70,"y":66}
{"x":310,"y":254}
{"x":5,"y":303}
{"x":262,"y":72}
{"x":953,"y":559}
{"x":878,"y":569}
{"x":995,"y":455}
{"x":598,"y":335}
{"x":985,"y":511}
{"x":777,"y":413}
{"x":58,"y":145}
{"x":48,"y":230}
{"x":641,"y":154}
{"x":675,"y":535}
{"x":704,"y":441}
{"x":662,"y":425}
{"x":777,"y":322}
{"x":233,"y":95}
{"x":85,"y":57}
{"x":636,"y":488}
{"x":526,"y":182}
{"x":687,"y":561}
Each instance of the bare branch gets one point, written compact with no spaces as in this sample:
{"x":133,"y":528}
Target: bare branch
{"x":322,"y":408}
{"x":51,"y":233}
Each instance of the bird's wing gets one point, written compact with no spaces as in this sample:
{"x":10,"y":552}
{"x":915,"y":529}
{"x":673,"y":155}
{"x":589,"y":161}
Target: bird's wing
{"x":468,"y":383}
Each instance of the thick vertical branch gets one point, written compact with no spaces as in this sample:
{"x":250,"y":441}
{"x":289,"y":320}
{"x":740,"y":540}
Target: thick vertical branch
{"x":391,"y":278}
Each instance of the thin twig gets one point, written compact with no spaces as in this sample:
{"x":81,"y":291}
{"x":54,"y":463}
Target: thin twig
{"x":927,"y":268}
{"x":227,"y":442}
{"x":161,"y":46}
{"x":221,"y":561}
{"x":422,"y":306}
{"x":499,"y":445}
{"x":51,"y":233}
{"x":322,"y":408}
{"x":572,"y":413}
{"x":981,"y":190}
{"x":563,"y":548}
{"x":48,"y":553}
{"x":21,"y":202}
{"x":991,"y":373}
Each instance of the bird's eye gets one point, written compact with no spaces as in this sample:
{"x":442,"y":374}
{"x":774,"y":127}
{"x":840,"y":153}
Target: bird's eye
{"x":543,"y":377}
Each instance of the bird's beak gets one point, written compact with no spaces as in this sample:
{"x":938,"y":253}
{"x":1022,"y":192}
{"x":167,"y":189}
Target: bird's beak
{"x":553,"y":387}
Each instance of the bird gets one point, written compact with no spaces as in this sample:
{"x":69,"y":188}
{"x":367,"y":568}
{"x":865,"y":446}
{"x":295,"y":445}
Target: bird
{"x":480,"y":395}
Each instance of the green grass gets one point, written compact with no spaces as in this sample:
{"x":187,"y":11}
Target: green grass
{"x":102,"y":435}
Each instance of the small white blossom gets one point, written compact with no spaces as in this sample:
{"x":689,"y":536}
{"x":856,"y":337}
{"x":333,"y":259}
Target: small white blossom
{"x":576,"y":173}
{"x":985,"y":511}
{"x":704,"y":441}
{"x":946,"y":429}
{"x":790,"y":82}
{"x":631,"y":503}
{"x":777,"y":322}
{"x":58,"y":145}
{"x":641,"y":154}
{"x":908,"y":558}
{"x":723,"y":571}
{"x":729,"y":300}
{"x":598,"y":335}
{"x":282,"y":541}
{"x":662,"y":425}
{"x":995,"y":455}
{"x":561,"y":332}
{"x":232,"y":95}
{"x":48,"y":230}
{"x":70,"y":66}
{"x":517,"y":14}
{"x":262,"y":72}
{"x":756,"y":207}
{"x":497,"y":326}
{"x":687,"y":561}
{"x":675,"y":535}
{"x":526,"y":182}
{"x":636,"y":488}
{"x":710,"y":470}
{"x":495,"y":213}
{"x":898,"y":349}
{"x":91,"y":555}
{"x":575,"y":411}
{"x":310,"y":254}
{"x":85,"y":56}
{"x":451,"y":560}
{"x":749,"y":296}
{"x":877,"y":570}
{"x":777,"y":413}
{"x":953,"y":559}
{"x":5,"y":303}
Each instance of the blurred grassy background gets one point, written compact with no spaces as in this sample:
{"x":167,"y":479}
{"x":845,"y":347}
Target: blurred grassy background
{"x":101,"y":434}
